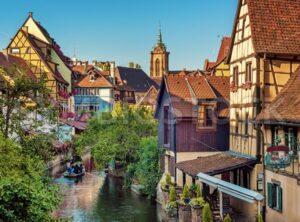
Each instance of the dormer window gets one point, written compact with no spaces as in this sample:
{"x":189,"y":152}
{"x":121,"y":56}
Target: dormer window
{"x":92,"y":78}
{"x":205,"y":116}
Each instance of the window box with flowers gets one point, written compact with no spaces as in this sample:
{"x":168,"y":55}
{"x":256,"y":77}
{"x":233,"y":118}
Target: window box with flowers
{"x":233,"y":87}
{"x":63,"y":94}
{"x":247,"y":85}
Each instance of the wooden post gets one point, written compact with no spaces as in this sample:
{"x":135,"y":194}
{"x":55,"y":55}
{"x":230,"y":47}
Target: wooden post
{"x":221,"y":204}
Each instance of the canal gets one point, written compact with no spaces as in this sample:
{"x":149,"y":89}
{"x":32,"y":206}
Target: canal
{"x":101,"y":198}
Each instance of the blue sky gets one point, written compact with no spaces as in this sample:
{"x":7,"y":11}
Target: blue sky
{"x":126,"y":30}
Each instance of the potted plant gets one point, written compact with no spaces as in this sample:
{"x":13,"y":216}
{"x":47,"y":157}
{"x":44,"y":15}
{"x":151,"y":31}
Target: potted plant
{"x":171,"y":206}
{"x":260,"y":218}
{"x":165,"y":185}
{"x":206,"y":213}
{"x":186,"y":195}
{"x":184,"y":212}
{"x":197,"y":204}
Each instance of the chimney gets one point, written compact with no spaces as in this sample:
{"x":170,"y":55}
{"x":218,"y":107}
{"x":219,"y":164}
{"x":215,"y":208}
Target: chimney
{"x":112,"y":72}
{"x":30,"y":14}
{"x":85,"y":65}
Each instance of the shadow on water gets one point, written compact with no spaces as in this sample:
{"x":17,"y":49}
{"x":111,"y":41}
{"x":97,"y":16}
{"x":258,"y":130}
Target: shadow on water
{"x":99,"y":198}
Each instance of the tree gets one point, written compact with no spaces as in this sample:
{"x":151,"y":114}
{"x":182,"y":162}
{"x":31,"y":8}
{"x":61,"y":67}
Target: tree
{"x":147,"y":171}
{"x":23,"y":98}
{"x":117,"y":135}
{"x":25,"y":193}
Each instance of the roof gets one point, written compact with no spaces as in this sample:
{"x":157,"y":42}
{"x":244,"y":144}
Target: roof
{"x":6,"y":61}
{"x":231,"y":189}
{"x":214,"y":164}
{"x":150,"y":98}
{"x":135,"y":78}
{"x":222,"y":54}
{"x":56,"y":74}
{"x":84,"y":78}
{"x":186,"y":90}
{"x":286,"y":105}
{"x":275,"y":26}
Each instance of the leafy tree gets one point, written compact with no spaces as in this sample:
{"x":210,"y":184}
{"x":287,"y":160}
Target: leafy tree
{"x":25,"y":193}
{"x":117,"y":135}
{"x":147,"y":167}
{"x":206,"y":213}
{"x":22,"y":99}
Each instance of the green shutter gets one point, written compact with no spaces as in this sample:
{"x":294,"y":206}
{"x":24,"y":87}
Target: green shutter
{"x":279,"y":193}
{"x":270,"y":193}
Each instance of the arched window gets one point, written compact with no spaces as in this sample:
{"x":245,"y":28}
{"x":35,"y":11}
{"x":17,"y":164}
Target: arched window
{"x":157,"y":67}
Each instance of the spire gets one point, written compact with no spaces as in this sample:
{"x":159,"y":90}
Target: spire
{"x":159,"y":39}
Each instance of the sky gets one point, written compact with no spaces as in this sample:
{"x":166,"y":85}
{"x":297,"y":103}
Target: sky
{"x":126,"y":30}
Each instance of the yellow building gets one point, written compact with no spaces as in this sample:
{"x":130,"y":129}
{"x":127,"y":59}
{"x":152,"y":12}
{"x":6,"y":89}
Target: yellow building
{"x":263,"y":55}
{"x":42,"y":54}
{"x":219,"y":68}
{"x":281,"y":126}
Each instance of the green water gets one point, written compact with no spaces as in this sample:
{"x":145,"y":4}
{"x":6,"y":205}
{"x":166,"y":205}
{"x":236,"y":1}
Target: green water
{"x":99,"y":198}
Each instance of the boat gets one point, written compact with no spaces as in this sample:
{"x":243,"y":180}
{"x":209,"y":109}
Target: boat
{"x":73,"y":175}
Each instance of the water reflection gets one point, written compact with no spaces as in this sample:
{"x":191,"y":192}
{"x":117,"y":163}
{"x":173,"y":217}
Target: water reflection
{"x":97,"y":198}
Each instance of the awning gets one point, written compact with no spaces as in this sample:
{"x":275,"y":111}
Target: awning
{"x":215,"y":164}
{"x":233,"y":190}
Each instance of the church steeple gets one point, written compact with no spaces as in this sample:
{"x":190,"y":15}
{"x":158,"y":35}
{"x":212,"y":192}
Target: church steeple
{"x":159,"y":64}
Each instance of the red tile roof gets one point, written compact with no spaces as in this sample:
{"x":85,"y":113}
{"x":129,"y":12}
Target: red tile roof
{"x":6,"y":61}
{"x":185,"y":91}
{"x":214,"y":164}
{"x":286,"y":105}
{"x":275,"y":26}
{"x":84,"y":80}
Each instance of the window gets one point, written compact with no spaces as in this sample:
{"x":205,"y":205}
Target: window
{"x":260,"y":182}
{"x":205,"y":116}
{"x":157,"y":67}
{"x":275,"y":196}
{"x":15,"y":50}
{"x":166,"y":125}
{"x":243,"y":29}
{"x":247,"y":124}
{"x":237,"y":119}
{"x":248,"y":72}
{"x":291,"y":139}
{"x":236,"y":76}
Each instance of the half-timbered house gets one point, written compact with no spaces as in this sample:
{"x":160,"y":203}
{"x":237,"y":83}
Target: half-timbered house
{"x":42,"y":54}
{"x":264,"y":53}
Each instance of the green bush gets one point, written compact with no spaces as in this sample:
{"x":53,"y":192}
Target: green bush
{"x":171,"y":205}
{"x":168,"y":179}
{"x":206,"y":213}
{"x":185,"y":193}
{"x":197,"y":202}
{"x":198,"y":191}
{"x":172,"y":194}
{"x":193,"y":187}
{"x":227,"y":218}
{"x":260,"y":218}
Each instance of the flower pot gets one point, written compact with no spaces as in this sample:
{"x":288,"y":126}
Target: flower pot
{"x":196,"y":214}
{"x":184,"y":213}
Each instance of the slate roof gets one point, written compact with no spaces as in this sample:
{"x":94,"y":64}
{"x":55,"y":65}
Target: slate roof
{"x":275,"y":26}
{"x":6,"y":61}
{"x":214,"y":164}
{"x":135,"y":78}
{"x":186,"y":90}
{"x":285,"y":108}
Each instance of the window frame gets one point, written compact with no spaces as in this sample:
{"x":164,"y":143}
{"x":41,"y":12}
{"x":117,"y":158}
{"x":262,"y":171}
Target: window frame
{"x":248,"y":77}
{"x":204,"y":107}
{"x":236,"y":76}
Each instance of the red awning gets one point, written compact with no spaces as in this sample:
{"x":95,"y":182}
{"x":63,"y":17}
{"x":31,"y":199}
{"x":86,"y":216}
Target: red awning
{"x":278,"y":148}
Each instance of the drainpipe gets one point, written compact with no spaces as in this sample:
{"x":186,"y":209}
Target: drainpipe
{"x":175,"y":150}
{"x":259,"y":126}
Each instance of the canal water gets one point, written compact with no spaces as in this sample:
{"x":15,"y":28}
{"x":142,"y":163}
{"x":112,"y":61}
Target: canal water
{"x":97,"y":198}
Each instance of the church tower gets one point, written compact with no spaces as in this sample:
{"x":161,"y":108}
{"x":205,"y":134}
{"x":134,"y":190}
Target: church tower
{"x":159,"y":63}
